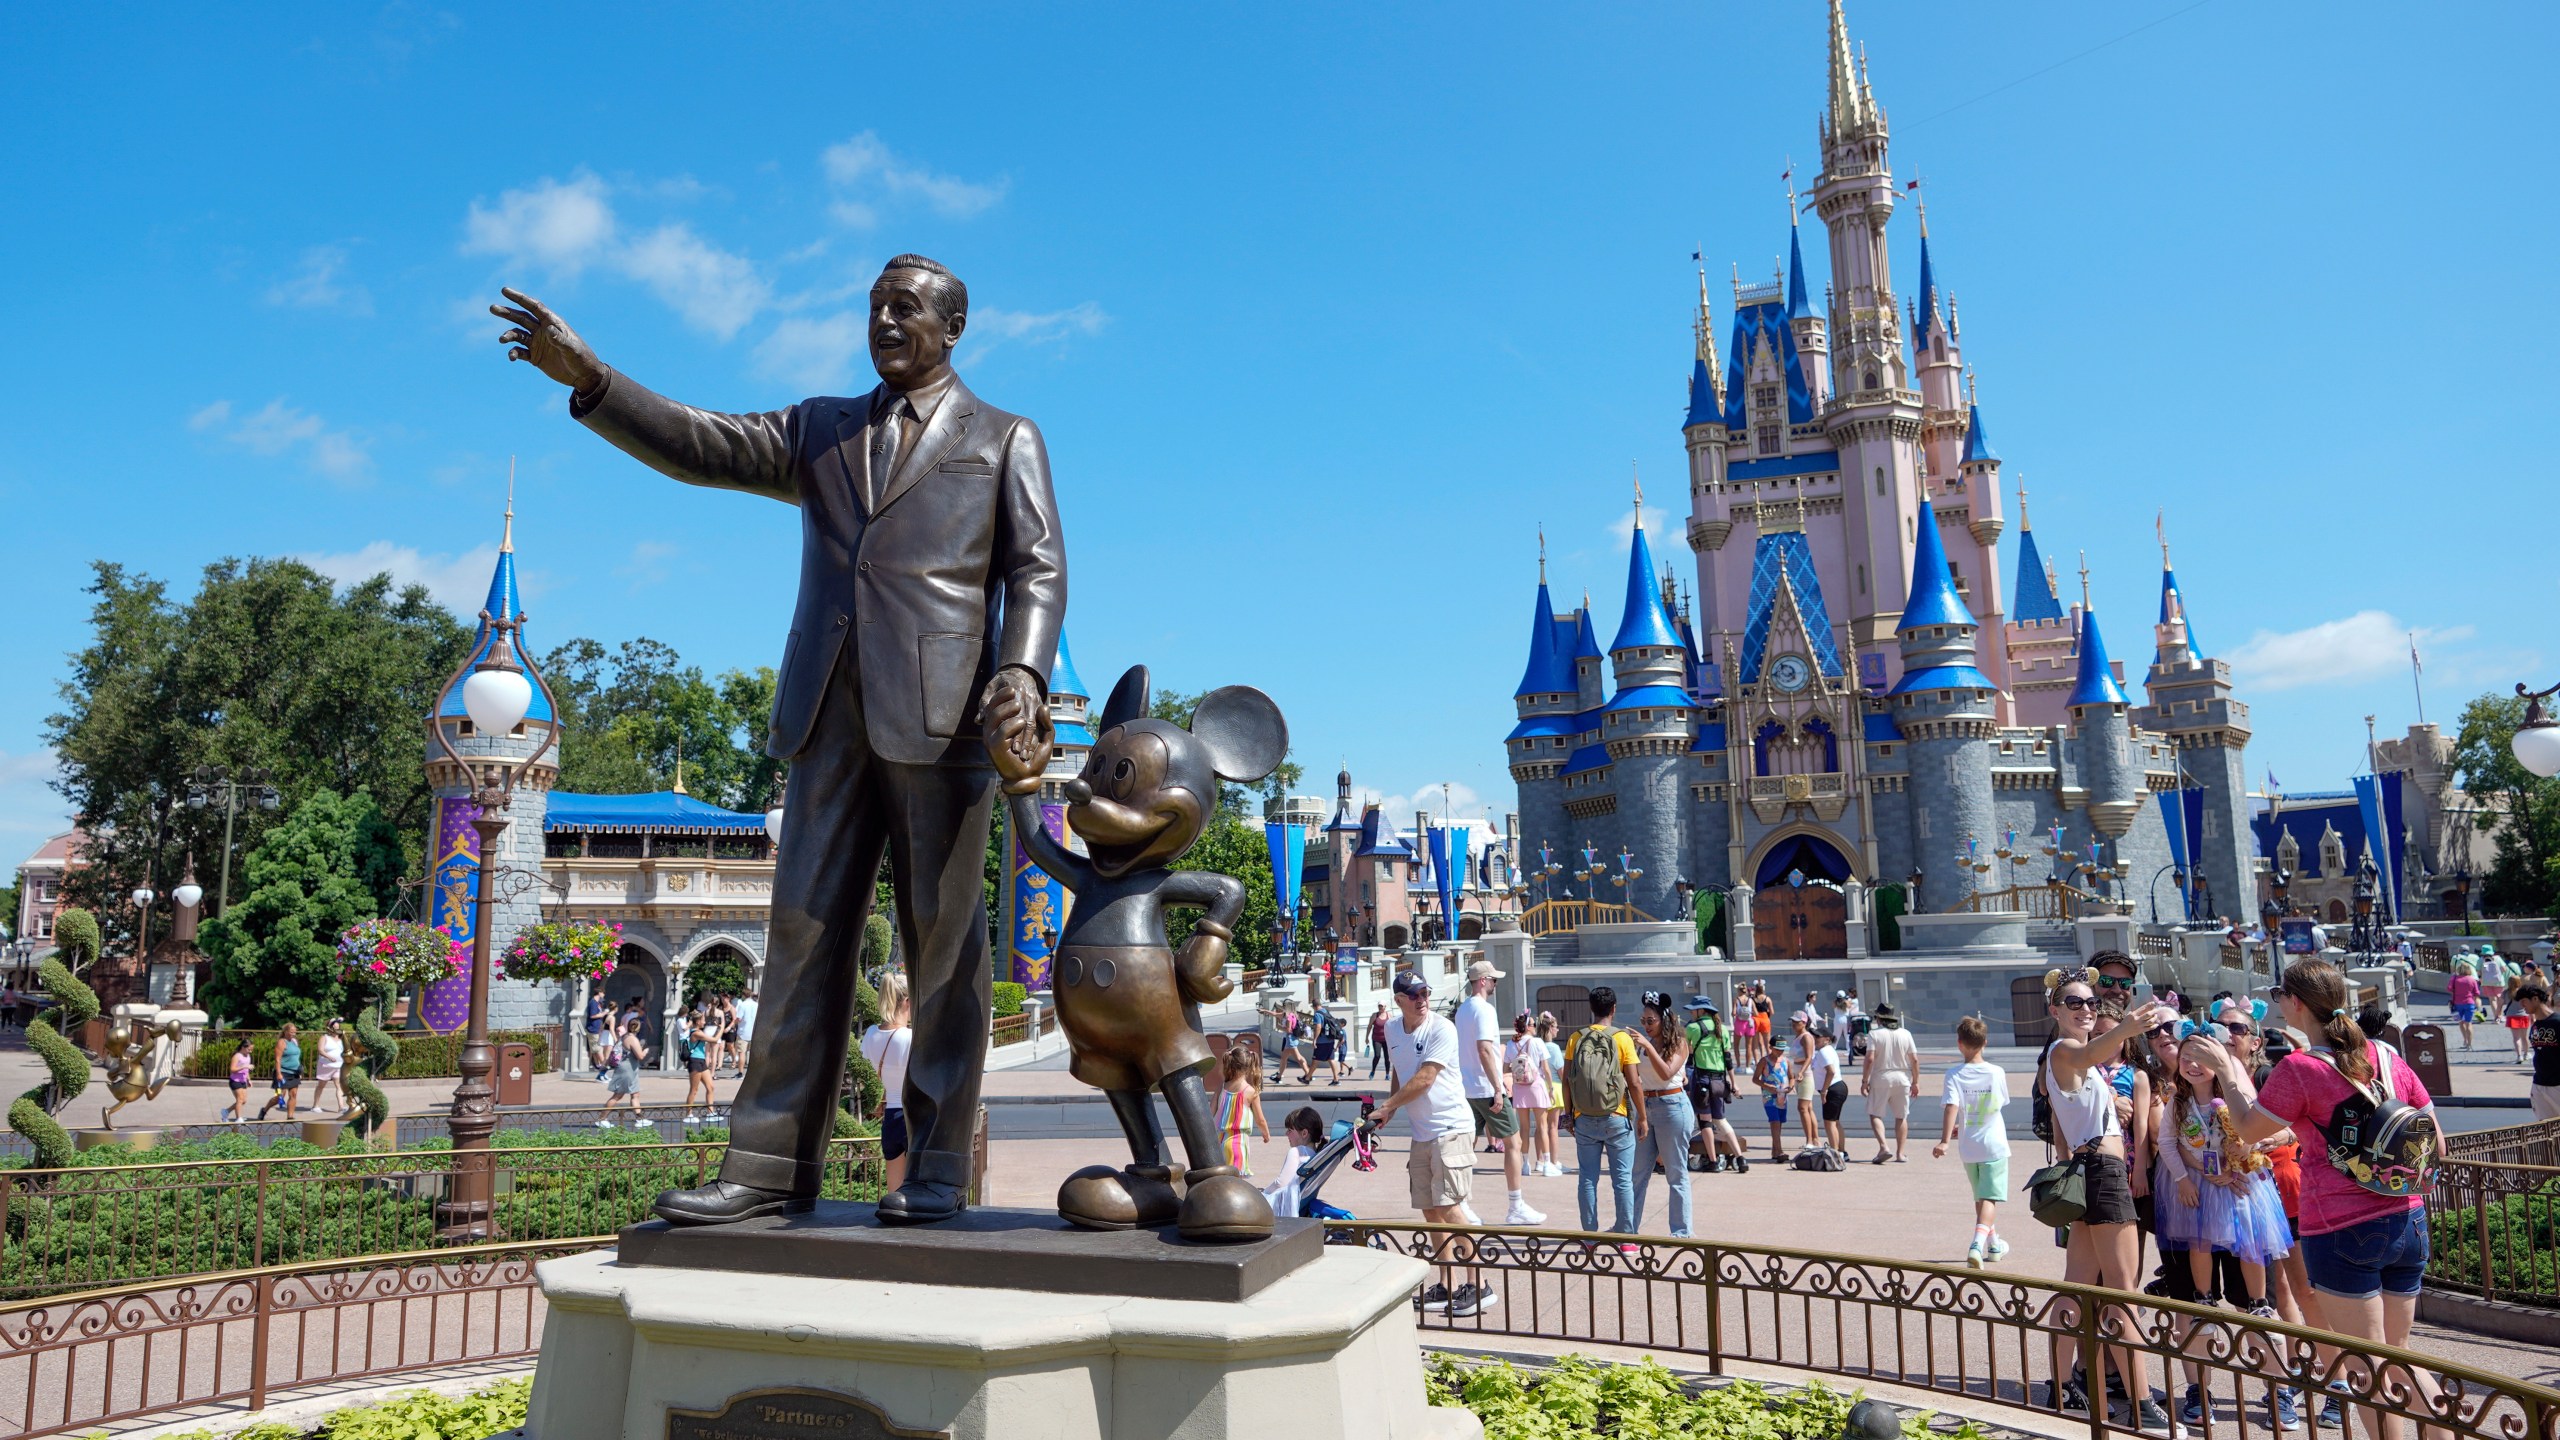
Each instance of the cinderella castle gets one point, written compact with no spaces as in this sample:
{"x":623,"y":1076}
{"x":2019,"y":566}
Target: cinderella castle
{"x":1857,"y":719}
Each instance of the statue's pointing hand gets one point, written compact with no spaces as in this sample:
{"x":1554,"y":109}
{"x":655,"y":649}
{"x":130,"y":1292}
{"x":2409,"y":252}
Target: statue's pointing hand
{"x":545,"y":339}
{"x":1019,"y":736}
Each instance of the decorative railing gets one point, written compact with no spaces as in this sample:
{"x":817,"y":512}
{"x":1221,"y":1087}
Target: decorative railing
{"x":134,"y":1225}
{"x":2154,"y":947}
{"x":1549,"y":917}
{"x":1009,"y":1029}
{"x":81,"y":1361}
{"x":2494,"y":1224}
{"x":2052,"y":900}
{"x":1986,"y":1338}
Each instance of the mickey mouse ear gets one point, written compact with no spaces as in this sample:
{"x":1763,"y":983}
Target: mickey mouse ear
{"x":1242,"y":727}
{"x":1128,"y":699}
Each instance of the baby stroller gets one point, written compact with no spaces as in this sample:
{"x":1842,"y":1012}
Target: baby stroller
{"x":1347,"y":1142}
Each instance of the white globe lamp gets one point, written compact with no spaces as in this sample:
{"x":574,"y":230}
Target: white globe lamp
{"x":497,"y":700}
{"x":2537,"y":745}
{"x":187,"y":895}
{"x":773,"y":825}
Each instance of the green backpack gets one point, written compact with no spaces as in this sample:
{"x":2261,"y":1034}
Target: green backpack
{"x":1594,"y":1083}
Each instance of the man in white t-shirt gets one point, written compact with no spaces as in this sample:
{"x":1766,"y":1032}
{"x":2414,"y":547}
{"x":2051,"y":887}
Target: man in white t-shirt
{"x":1892,"y":1072}
{"x":746,"y":1031}
{"x":1480,"y":1070}
{"x":1440,"y":1170}
{"x":1829,"y":1086}
{"x":1975,"y":1092}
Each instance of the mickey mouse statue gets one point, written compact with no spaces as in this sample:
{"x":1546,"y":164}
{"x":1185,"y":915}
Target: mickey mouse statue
{"x":1128,"y":1002}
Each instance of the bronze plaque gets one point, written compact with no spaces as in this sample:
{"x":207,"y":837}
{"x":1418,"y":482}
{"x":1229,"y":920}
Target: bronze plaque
{"x":791,"y":1414}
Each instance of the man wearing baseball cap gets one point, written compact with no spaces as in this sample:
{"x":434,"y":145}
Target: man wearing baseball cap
{"x":1480,"y":1069}
{"x":1440,"y":1170}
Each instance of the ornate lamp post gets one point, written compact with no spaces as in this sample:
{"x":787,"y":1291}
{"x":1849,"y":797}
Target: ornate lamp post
{"x":212,"y":783}
{"x":1628,"y":871}
{"x":143,"y":895}
{"x":2362,"y":936}
{"x":2537,"y":741}
{"x":497,"y":696}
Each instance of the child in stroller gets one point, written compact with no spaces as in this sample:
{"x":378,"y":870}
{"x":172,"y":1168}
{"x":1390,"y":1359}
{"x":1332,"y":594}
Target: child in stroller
{"x":1312,"y":1161}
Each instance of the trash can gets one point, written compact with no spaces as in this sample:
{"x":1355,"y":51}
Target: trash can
{"x":515,"y":1073}
{"x":2424,"y":1046}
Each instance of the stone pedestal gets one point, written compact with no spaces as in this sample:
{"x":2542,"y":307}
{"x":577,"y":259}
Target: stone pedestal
{"x":1319,"y":1341}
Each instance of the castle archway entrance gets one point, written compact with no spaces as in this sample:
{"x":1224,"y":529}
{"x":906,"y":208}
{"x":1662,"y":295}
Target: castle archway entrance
{"x":1798,"y":911}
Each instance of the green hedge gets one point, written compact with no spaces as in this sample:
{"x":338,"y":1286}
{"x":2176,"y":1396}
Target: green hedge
{"x":424,"y":1055}
{"x":1575,"y":1398}
{"x":95,"y":1227}
{"x":410,"y":1415}
{"x":1009,"y":997}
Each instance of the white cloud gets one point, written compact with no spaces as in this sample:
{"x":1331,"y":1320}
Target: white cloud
{"x":29,"y":806}
{"x":457,"y":582}
{"x":1460,"y":800}
{"x":1085,"y":319}
{"x":318,"y":284}
{"x":815,"y":353}
{"x":2362,"y":646}
{"x":866,"y":173}
{"x":648,"y":562}
{"x":715,"y":291}
{"x":562,"y":228}
{"x":36,"y":768}
{"x":280,"y":429}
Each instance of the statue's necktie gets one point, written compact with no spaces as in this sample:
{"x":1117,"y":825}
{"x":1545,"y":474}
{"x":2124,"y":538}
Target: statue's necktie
{"x":888,"y":442}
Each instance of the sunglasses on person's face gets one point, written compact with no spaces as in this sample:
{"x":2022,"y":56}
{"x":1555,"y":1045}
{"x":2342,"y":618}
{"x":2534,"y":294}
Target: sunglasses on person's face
{"x":2079,"y":1002}
{"x":2114,"y":982}
{"x":2165,"y":1031}
{"x":2236,"y":1027}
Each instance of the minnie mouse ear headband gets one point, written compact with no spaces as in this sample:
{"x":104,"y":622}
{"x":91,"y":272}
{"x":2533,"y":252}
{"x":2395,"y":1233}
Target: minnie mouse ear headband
{"x":2191,"y":1029}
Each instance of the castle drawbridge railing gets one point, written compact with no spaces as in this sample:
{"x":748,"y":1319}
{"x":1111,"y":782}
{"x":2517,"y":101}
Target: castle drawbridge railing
{"x":1551,"y":917}
{"x":2052,"y":900}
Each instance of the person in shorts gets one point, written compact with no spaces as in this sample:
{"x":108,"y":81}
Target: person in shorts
{"x":2543,"y":1038}
{"x":288,"y":1082}
{"x":1975,"y":1092}
{"x":1480,"y":1072}
{"x":1440,"y":1169}
{"x":1891,"y":1073}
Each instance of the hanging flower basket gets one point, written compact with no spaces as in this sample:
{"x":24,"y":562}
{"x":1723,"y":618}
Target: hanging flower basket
{"x":396,"y":953}
{"x":556,"y":951}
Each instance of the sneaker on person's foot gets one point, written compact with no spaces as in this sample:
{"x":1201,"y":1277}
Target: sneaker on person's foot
{"x":1435,"y":1300}
{"x":1998,"y":1252}
{"x":1881,"y":1159}
{"x":1521,"y":1214}
{"x":2075,"y":1398}
{"x":1973,"y":1256}
{"x":1471,"y":1300}
{"x":2333,"y":1415}
{"x":692,"y":1119}
{"x":2152,"y":1416}
{"x":604,"y":1124}
{"x":2192,"y":1409}
{"x":2287,"y":1410}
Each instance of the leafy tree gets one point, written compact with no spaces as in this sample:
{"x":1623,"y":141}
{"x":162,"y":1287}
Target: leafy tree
{"x":275,"y":952}
{"x":75,"y":936}
{"x":269,"y":665}
{"x":720,"y":973}
{"x":9,"y":898}
{"x":2525,"y":877}
{"x":629,"y":714}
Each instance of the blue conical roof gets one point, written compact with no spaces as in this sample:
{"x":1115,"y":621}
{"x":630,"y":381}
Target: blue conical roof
{"x":1928,"y":299}
{"x":1702,"y":398}
{"x":1797,"y":305}
{"x":1550,"y":670}
{"x":2036,"y":600}
{"x":1586,"y":645}
{"x":1934,"y":600}
{"x":2096,"y":682}
{"x":1063,"y":679}
{"x":1977,"y":441}
{"x":2169,"y":587}
{"x":1646,"y":622}
{"x":503,"y":601}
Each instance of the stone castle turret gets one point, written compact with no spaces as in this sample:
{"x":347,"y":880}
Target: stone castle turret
{"x":1943,"y":706}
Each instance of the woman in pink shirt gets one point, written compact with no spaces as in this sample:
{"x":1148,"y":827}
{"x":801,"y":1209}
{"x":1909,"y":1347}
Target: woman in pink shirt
{"x":2366,"y":1252}
{"x":2465,"y":988}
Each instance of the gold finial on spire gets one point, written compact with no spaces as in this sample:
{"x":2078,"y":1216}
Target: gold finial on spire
{"x":2022,"y":502}
{"x":507,"y":542}
{"x":1789,"y":176}
{"x":2160,"y":527}
{"x":2052,"y":578}
{"x":2084,"y":579}
{"x":1638,"y":478}
{"x":1972,"y":396}
{"x":1920,"y":202}
{"x":1542,"y":553}
{"x":679,"y":766}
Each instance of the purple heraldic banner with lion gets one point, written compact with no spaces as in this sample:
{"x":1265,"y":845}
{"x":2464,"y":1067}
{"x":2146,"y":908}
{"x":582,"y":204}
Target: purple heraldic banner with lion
{"x":446,"y":1005}
{"x":1039,"y":906}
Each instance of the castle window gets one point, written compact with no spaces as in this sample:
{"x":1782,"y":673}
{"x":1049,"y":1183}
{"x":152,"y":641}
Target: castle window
{"x":1879,"y":479}
{"x":1871,"y":380}
{"x":1768,"y":440}
{"x":1862,"y":579}
{"x":1764,"y":397}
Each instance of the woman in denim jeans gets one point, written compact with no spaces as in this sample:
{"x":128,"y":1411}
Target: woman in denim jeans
{"x":1671,"y":1125}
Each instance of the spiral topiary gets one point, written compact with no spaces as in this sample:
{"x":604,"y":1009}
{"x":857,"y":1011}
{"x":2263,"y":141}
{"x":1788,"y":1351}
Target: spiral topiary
{"x":381,"y":1052}
{"x":75,"y":935}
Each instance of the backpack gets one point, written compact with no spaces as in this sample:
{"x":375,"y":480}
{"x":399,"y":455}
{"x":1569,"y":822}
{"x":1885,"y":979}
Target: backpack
{"x":1522,"y":1072}
{"x":1820,"y":1157}
{"x":1859,"y":1024}
{"x":1593,"y":1083}
{"x":2385,"y":1146}
{"x":2039,"y":1106}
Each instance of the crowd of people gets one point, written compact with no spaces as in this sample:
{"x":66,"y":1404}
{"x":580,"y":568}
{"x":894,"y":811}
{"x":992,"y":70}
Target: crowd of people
{"x":711,"y":1036}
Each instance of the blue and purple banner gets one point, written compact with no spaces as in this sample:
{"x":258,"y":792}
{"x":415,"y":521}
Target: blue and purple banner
{"x":445,"y":1007}
{"x":1448,"y":849}
{"x":1039,"y":905}
{"x":1288,"y":844}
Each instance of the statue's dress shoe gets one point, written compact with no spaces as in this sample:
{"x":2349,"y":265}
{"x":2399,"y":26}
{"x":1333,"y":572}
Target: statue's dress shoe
{"x":1221,"y":1206}
{"x":920,"y":1202}
{"x":722,"y":1201}
{"x":1098,"y":1197}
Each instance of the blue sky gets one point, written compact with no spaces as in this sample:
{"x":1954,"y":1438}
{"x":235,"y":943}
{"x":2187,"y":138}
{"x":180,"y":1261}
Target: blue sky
{"x":1324,"y":309}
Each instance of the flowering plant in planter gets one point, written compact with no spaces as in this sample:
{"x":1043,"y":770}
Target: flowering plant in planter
{"x":556,"y":950}
{"x":396,"y":953}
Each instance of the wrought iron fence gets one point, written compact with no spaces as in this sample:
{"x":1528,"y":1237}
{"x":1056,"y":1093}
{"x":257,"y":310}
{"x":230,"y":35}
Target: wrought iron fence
{"x":2533,"y":1143}
{"x":1987,"y":1337}
{"x":1549,"y":917}
{"x":409,"y":1130}
{"x":2494,"y":1231}
{"x":79,"y":1361}
{"x":139,"y":1224}
{"x":1009,"y":1029}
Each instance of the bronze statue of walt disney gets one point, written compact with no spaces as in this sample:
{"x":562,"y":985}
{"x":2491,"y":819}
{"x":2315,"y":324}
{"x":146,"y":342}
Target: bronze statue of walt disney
{"x":1128,"y":1002}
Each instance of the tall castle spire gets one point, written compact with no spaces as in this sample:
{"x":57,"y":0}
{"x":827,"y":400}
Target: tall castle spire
{"x":1853,"y":108}
{"x":2036,"y":601}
